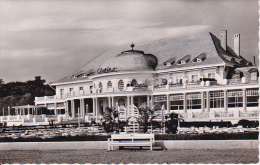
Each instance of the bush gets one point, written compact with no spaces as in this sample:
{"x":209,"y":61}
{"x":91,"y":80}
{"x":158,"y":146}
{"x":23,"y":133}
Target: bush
{"x":220,"y":136}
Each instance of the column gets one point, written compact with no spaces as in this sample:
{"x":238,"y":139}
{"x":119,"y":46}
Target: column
{"x":244,"y":100}
{"x":55,"y":109}
{"x":132,"y":100}
{"x":73,"y":108}
{"x":225,"y":100}
{"x":185,"y":102}
{"x":109,"y":102}
{"x":208,"y":101}
{"x":128,"y":102}
{"x":168,"y":103}
{"x":202,"y":101}
{"x":148,"y":100}
{"x":94,"y":106}
{"x":82,"y":108}
{"x":66,"y":109}
{"x":152,"y":100}
{"x":112,"y":101}
{"x":96,"y":109}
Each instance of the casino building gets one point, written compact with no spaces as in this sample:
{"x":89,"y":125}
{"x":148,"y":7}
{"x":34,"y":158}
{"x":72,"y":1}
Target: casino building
{"x":197,"y":76}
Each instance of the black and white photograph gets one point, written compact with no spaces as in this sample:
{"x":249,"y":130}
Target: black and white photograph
{"x":129,"y":81}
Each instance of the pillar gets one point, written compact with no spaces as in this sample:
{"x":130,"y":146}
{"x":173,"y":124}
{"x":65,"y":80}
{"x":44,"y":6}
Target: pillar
{"x":148,"y":100}
{"x":225,"y":100}
{"x":202,"y":101}
{"x":185,"y":102}
{"x":73,"y":108}
{"x":128,"y":102}
{"x":168,"y":103}
{"x":67,"y":109}
{"x":152,"y":100}
{"x":208,"y":101}
{"x":244,"y":99}
{"x":94,"y":106}
{"x":55,"y":110}
{"x":82,"y":108}
{"x":112,"y":101}
{"x":109,"y":102}
{"x":132,"y":101}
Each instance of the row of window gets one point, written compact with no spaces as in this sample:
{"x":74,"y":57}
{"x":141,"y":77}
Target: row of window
{"x":193,"y":100}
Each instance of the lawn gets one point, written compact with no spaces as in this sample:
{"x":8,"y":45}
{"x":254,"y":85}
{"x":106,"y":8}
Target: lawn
{"x":205,"y":156}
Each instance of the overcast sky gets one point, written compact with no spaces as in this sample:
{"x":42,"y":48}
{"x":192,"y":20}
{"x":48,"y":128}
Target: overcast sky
{"x":53,"y":38}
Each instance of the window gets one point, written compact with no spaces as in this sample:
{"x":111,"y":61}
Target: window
{"x":194,"y":101}
{"x":160,"y":98}
{"x":252,"y":97}
{"x":81,"y":92}
{"x":177,"y":101}
{"x":253,"y":75}
{"x":235,"y":98}
{"x":91,"y":89}
{"x":109,"y":84}
{"x":61,"y":93}
{"x":164,"y":81}
{"x":100,"y":86}
{"x":217,"y":99}
{"x":194,"y":78}
{"x":211,"y":75}
{"x":71,"y":92}
{"x":121,"y":102}
{"x":121,"y":85}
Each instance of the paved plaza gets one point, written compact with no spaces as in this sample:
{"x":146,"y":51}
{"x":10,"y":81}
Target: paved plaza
{"x":205,"y":156}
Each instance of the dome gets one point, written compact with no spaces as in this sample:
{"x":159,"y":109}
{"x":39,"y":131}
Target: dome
{"x":131,"y":60}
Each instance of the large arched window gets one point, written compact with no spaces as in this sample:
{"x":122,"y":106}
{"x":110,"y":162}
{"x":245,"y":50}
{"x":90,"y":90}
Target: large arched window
{"x":100,"y":87}
{"x":121,"y":85}
{"x":109,"y":84}
{"x":121,"y":102}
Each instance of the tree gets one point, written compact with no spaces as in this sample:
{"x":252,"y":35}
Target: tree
{"x":146,"y":117}
{"x":111,"y":121}
{"x":172,"y":122}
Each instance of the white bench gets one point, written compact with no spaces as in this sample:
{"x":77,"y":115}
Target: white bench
{"x":131,"y":140}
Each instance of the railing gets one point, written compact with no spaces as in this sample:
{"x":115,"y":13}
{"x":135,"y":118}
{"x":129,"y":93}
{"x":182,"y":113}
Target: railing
{"x":249,"y":114}
{"x":200,"y":115}
{"x":46,"y":98}
{"x":224,"y":114}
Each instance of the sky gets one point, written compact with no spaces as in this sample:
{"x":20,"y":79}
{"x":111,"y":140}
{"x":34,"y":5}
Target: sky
{"x":53,"y":38}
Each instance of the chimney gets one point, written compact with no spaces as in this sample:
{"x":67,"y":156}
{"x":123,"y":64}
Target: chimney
{"x":254,"y":60}
{"x":237,"y":44}
{"x":223,"y":37}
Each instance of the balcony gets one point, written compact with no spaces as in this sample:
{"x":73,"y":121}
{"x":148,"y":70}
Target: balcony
{"x":243,"y":80}
{"x":46,"y":98}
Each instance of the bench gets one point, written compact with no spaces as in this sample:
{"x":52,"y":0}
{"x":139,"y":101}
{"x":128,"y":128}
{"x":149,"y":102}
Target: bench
{"x":131,"y":140}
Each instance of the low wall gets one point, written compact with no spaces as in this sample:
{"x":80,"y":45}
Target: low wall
{"x":169,"y":144}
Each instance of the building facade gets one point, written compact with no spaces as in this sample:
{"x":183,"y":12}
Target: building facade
{"x":198,"y":76}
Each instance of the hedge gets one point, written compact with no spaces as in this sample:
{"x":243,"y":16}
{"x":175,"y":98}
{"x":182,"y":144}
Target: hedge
{"x":220,"y":136}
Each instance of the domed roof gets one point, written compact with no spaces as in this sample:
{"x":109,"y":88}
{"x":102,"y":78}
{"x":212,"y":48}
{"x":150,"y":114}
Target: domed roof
{"x":131,"y":60}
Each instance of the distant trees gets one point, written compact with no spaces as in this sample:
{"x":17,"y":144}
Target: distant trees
{"x":22,"y":93}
